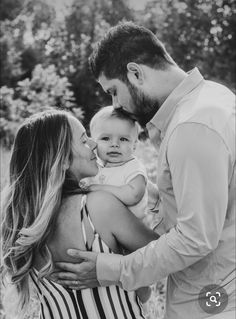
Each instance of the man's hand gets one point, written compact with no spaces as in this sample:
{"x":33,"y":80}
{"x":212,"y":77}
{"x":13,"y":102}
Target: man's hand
{"x":79,"y":275}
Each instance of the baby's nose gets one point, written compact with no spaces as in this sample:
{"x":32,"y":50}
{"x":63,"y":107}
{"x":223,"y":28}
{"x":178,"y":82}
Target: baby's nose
{"x":115,"y":143}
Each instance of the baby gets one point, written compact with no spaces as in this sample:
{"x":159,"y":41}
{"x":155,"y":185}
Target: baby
{"x":120,"y":172}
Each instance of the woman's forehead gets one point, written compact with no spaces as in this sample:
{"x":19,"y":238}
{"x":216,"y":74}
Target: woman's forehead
{"x":77,"y":127}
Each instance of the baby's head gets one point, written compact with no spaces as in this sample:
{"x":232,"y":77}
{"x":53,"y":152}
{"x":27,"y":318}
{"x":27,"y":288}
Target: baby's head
{"x":116,"y":136}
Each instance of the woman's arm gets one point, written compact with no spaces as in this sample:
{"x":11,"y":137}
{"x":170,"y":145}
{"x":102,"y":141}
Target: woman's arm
{"x":114,"y":222}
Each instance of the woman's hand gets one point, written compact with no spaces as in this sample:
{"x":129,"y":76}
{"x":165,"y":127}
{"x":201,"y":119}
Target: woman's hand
{"x":78,"y":275}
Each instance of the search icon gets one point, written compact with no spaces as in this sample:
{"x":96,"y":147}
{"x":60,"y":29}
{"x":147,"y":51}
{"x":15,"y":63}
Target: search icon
{"x":213,"y":299}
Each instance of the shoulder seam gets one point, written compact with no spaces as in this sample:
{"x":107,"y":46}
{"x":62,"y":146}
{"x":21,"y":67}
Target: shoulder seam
{"x":197,"y":123}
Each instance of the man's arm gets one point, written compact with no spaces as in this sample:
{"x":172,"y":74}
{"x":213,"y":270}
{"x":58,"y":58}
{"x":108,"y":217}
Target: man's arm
{"x":129,"y":194}
{"x":198,"y":160}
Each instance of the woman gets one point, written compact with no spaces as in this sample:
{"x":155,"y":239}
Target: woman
{"x":45,"y":213}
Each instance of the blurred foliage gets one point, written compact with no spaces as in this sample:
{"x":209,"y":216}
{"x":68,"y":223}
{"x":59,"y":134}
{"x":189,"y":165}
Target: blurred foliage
{"x":84,"y":25}
{"x":44,"y":90}
{"x":34,"y":42}
{"x":197,"y":33}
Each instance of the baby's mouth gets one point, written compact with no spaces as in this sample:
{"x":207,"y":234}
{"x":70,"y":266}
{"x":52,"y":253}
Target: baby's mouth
{"x":113,"y":153}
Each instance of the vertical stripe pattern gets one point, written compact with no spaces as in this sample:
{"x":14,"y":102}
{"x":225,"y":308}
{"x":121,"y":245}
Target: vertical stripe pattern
{"x":111,"y":302}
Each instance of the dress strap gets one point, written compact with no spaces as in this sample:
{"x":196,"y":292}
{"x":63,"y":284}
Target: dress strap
{"x":88,"y":228}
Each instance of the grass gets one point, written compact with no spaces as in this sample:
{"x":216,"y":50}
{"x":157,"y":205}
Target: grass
{"x":154,"y":307}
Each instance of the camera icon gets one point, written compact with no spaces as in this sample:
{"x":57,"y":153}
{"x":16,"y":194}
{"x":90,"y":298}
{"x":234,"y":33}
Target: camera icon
{"x":213,"y":299}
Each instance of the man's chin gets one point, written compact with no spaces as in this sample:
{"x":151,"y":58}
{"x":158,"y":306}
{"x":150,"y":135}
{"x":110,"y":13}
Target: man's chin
{"x":142,"y":120}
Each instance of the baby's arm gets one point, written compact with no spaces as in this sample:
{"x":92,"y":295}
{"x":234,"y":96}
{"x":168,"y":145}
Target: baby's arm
{"x":129,"y":194}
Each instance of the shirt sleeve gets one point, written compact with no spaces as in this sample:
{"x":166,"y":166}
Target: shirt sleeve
{"x":198,"y":161}
{"x":133,"y":169}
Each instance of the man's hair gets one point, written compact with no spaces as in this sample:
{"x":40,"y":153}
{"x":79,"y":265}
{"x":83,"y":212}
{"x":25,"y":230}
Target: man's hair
{"x":107,"y":113}
{"x":126,"y":43}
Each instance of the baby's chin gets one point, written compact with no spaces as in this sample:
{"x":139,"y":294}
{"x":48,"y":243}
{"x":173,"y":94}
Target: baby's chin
{"x":116,"y":162}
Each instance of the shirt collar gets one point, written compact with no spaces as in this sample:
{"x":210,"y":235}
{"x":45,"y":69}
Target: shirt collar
{"x":163,"y":116}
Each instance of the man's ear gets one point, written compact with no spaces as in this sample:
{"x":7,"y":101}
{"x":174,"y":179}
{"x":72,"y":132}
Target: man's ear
{"x":135,"y":73}
{"x":135,"y":145}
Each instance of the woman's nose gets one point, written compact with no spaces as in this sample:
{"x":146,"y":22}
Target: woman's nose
{"x":92,"y":144}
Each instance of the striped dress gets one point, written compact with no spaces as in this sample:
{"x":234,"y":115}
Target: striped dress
{"x":57,"y":302}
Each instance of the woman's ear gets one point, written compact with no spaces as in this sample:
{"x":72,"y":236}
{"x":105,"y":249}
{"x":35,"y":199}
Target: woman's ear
{"x":135,"y":73}
{"x":65,"y":166}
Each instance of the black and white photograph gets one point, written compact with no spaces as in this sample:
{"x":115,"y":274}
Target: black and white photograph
{"x":117,"y":152}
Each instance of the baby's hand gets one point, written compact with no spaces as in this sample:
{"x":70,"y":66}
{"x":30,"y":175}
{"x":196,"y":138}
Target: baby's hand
{"x":95,"y":187}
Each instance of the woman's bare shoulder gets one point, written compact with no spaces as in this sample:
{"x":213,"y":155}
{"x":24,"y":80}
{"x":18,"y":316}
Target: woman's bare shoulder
{"x":71,"y":202}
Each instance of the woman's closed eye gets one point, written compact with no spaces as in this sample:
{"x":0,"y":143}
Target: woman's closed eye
{"x":85,"y":140}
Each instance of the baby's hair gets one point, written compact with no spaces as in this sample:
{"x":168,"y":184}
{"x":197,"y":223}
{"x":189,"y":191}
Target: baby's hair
{"x":108,"y":112}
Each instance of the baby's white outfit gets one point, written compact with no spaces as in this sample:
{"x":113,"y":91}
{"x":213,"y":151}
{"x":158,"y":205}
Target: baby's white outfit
{"x":122,"y":175}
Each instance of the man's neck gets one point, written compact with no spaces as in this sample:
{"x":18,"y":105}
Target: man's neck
{"x":167,"y":81}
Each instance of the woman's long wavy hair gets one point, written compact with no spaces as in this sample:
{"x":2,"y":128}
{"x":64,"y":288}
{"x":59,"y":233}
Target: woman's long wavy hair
{"x":37,"y":179}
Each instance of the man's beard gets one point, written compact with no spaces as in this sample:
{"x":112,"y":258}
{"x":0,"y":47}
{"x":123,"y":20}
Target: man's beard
{"x":145,"y":107}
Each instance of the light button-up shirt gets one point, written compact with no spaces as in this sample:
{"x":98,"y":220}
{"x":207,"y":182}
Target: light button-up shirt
{"x":196,"y":178}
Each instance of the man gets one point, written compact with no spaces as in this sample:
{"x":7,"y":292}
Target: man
{"x":192,"y":123}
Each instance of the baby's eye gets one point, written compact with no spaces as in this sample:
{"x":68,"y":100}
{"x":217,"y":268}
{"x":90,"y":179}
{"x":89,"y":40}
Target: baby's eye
{"x":124,"y":139}
{"x":105,"y":138}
